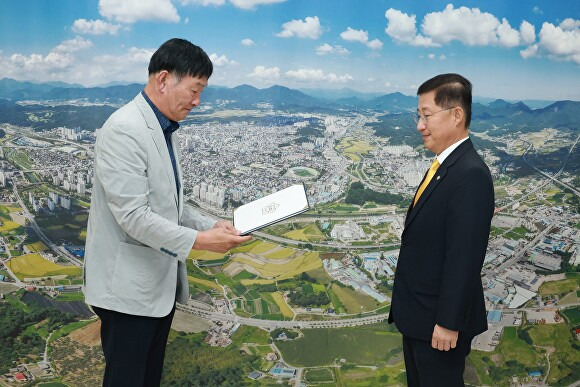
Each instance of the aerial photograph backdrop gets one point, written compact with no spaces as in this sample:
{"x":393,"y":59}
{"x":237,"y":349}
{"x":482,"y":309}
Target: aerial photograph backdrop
{"x":313,"y":92}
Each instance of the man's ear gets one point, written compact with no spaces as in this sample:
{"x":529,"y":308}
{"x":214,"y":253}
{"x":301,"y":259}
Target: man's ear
{"x":161,"y":79}
{"x":458,"y":115}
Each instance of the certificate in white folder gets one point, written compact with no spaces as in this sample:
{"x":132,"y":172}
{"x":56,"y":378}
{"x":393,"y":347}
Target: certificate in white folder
{"x":270,"y":209}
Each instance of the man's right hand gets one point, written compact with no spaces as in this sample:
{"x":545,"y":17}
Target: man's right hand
{"x":219,"y":239}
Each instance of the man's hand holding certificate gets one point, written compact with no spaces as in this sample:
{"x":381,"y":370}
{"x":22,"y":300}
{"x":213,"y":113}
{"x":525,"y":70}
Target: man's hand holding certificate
{"x":270,"y":209}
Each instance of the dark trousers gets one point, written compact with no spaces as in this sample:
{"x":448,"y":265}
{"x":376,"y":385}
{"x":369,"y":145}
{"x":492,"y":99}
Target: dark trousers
{"x":134,"y":347}
{"x":428,"y":367}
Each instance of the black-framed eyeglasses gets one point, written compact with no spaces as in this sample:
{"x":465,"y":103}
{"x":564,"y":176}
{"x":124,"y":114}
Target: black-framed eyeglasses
{"x":422,"y":117}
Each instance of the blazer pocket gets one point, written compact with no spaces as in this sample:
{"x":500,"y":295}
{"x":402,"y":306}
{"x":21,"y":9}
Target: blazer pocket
{"x":134,"y":275}
{"x":427,"y":286}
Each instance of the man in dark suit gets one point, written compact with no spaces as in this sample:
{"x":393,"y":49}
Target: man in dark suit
{"x":438,"y":302}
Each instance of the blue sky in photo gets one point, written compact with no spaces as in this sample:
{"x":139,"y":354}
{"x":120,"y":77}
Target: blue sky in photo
{"x":508,"y":49}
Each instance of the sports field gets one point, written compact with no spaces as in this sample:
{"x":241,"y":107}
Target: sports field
{"x":34,"y":265}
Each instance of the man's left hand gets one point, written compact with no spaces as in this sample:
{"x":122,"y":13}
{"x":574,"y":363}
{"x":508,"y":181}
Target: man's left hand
{"x":444,"y":339}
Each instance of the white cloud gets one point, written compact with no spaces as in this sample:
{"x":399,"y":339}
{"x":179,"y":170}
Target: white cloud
{"x":51,"y":66}
{"x":35,"y":63}
{"x":431,"y":56}
{"x":557,"y":42}
{"x":442,"y":57}
{"x":220,"y":61}
{"x":131,"y":11}
{"x":388,"y":84}
{"x":73,"y":45}
{"x":375,"y":44}
{"x":361,"y":36}
{"x":95,"y":27}
{"x":204,"y":3}
{"x":243,"y":4}
{"x":537,"y":10}
{"x":248,"y":42}
{"x":527,"y":32}
{"x":401,"y":27}
{"x":560,"y":43}
{"x":266,"y":73}
{"x":309,"y":28}
{"x":186,"y":21}
{"x":529,"y":52}
{"x":469,"y":26}
{"x":352,"y":35}
{"x":133,"y":55}
{"x":507,"y":36}
{"x":569,"y":24}
{"x":317,"y":75}
{"x":328,"y":49}
{"x":251,"y":4}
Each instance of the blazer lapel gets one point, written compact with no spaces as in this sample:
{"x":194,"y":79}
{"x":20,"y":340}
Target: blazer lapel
{"x":177,"y":152}
{"x":438,"y":178}
{"x":158,"y":139}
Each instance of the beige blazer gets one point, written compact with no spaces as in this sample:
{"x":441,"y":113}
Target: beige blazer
{"x":139,"y":232}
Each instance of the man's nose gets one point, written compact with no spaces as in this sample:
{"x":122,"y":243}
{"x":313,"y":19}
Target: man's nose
{"x":420,"y":125}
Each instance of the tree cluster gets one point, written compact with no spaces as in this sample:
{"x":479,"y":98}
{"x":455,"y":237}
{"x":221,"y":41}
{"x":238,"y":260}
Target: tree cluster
{"x":358,"y":194}
{"x":16,"y":341}
{"x":312,"y":299}
{"x":289,"y":334}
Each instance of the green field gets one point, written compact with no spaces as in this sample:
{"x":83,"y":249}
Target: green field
{"x":303,"y":172}
{"x":566,"y":360}
{"x":320,"y":275}
{"x":319,"y":375}
{"x":69,"y":328}
{"x":366,"y":377}
{"x":65,"y":226}
{"x":573,"y":315}
{"x":353,"y":301}
{"x":558,"y":287}
{"x":243,"y":275}
{"x":523,"y":349}
{"x":248,"y":334}
{"x":368,"y":345}
{"x":336,"y":304}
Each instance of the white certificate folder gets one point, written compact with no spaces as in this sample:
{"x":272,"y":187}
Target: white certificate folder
{"x":270,"y":209}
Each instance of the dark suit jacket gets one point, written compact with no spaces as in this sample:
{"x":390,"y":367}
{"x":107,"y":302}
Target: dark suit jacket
{"x":443,"y":246}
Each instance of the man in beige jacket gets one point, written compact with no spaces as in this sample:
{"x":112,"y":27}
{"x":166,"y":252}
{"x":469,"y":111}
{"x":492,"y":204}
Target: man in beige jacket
{"x":140,"y":231}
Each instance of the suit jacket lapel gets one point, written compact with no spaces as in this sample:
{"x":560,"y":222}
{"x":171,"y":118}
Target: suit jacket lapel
{"x":158,"y":139}
{"x":176,"y":151}
{"x":438,"y":178}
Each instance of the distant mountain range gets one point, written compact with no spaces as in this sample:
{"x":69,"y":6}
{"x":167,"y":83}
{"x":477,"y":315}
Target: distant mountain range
{"x":497,"y":116}
{"x":243,"y":96}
